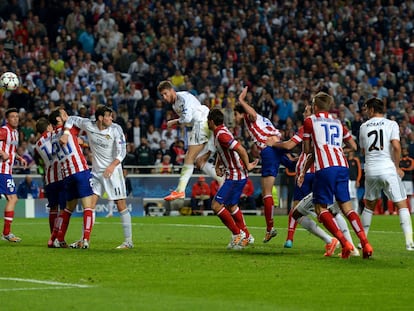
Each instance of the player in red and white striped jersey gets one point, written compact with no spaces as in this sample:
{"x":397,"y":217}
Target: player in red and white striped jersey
{"x":77,"y":179}
{"x":9,"y":140}
{"x":260,"y":129}
{"x":296,"y":214}
{"x":53,"y":178}
{"x":233,"y":158}
{"x":332,"y":174}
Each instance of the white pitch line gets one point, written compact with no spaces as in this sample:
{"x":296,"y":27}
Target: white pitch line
{"x":46,"y":282}
{"x":32,"y":288}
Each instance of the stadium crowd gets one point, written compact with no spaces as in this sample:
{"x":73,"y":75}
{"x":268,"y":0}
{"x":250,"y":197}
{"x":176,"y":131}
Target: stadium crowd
{"x":79,"y":54}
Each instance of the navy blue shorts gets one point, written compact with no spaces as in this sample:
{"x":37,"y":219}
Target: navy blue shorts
{"x":272,"y":158}
{"x":301,"y":192}
{"x":78,"y":186}
{"x":55,"y":194}
{"x":230,"y":192}
{"x":330,"y":183}
{"x":7,"y":185}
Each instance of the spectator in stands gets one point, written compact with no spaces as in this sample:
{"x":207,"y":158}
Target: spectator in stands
{"x":144,"y":156}
{"x":138,"y":69}
{"x":177,"y":152}
{"x":164,"y":166}
{"x":130,"y":157}
{"x":157,"y":114}
{"x":23,"y":153}
{"x":28,"y":189}
{"x":163,"y":150}
{"x":153,"y":137}
{"x":87,"y":39}
{"x":135,"y":132}
{"x":200,"y":196}
{"x":170,"y":136}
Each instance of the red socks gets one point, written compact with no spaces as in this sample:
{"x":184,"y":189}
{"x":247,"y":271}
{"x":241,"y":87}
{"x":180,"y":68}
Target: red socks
{"x":268,"y":211}
{"x":357,"y":226}
{"x":326,"y":218}
{"x":8,"y":219}
{"x":292,"y":223}
{"x":228,"y":220}
{"x":53,"y":214}
{"x":62,"y":224}
{"x":88,"y":220}
{"x":239,"y":220}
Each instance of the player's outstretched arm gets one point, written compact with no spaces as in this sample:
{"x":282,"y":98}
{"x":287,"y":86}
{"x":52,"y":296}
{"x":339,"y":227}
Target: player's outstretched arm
{"x":249,"y":109}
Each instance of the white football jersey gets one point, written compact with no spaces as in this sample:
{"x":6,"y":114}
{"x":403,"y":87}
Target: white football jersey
{"x":106,"y":145}
{"x":375,"y":138}
{"x":189,"y":108}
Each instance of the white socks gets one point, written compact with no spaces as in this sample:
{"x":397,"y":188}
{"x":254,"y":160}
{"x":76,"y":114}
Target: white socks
{"x":406,"y":226}
{"x":126,"y":225}
{"x":343,"y":225}
{"x":366,"y":219}
{"x":186,"y":173}
{"x":313,"y":228}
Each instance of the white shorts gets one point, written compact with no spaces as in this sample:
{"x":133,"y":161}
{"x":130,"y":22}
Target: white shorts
{"x":305,"y":206}
{"x":408,"y":185}
{"x":114,"y":186}
{"x":200,"y":134}
{"x":391,"y":184}
{"x":209,"y":147}
{"x":352,"y":189}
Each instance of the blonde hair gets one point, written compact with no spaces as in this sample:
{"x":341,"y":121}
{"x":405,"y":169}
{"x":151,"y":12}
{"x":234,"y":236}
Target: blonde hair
{"x":164,"y":85}
{"x":323,"y":101}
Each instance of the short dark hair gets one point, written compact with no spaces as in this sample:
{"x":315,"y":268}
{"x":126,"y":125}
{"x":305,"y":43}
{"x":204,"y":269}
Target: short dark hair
{"x":239,"y":108}
{"x":41,"y":125}
{"x":375,"y":103}
{"x":217,"y":116}
{"x":10,"y":110}
{"x":101,"y":110}
{"x":53,"y":117}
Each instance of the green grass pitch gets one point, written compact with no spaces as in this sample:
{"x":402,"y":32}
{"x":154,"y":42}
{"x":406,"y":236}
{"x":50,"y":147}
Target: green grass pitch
{"x":181,"y":263}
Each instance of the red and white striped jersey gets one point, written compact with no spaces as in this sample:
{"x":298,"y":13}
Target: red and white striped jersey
{"x":260,"y":129}
{"x":70,"y":156}
{"x":327,"y":134}
{"x":297,"y":139}
{"x":9,"y":140}
{"x":44,"y":149}
{"x":226,"y":145}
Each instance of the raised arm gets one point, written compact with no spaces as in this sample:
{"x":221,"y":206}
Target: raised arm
{"x":249,"y":109}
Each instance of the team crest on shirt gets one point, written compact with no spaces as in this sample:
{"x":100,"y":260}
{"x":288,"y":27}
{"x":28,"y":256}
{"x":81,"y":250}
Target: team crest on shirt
{"x":108,"y":137}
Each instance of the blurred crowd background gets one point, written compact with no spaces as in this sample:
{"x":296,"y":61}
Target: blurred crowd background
{"x":79,"y":54}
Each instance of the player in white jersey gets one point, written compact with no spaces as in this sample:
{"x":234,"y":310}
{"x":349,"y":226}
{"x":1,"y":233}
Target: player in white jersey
{"x":379,"y":140}
{"x":108,"y":147}
{"x":193,"y":114}
{"x":53,"y":179}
